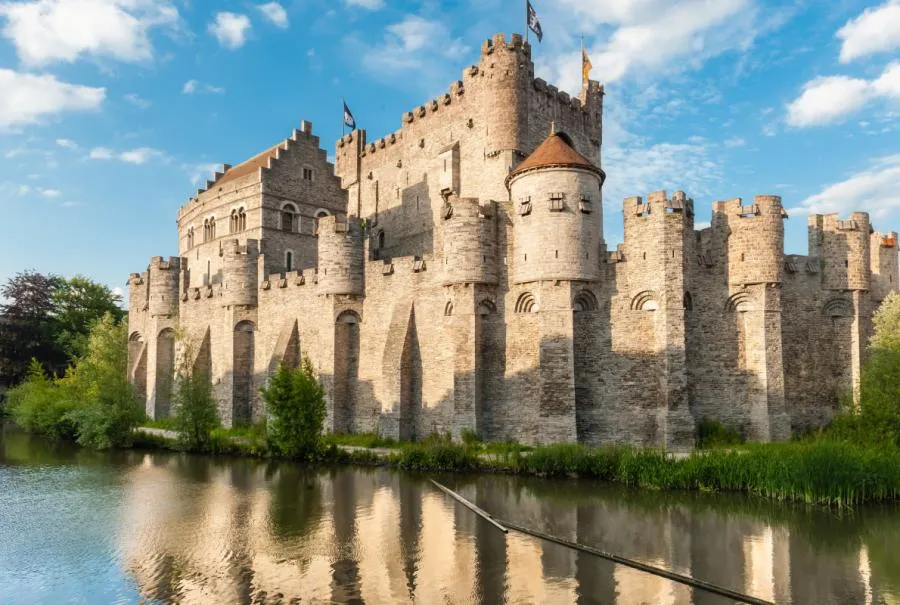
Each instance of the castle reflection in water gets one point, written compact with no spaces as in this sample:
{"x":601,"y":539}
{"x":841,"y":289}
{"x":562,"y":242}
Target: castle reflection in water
{"x":198,"y":531}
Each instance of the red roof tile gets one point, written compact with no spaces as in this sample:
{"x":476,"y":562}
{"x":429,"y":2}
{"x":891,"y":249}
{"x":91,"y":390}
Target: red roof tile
{"x":555,"y":152}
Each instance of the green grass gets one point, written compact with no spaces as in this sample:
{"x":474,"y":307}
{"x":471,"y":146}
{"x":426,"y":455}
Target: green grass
{"x":369,"y":440}
{"x":167,"y":424}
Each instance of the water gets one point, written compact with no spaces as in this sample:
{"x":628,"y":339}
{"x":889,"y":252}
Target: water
{"x":128,"y":527}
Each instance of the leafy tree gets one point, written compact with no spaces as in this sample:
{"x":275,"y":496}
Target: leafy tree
{"x":295,"y":403}
{"x":78,"y":303}
{"x":106,"y":406}
{"x":887,"y":324}
{"x":28,"y":325}
{"x":196,"y":414}
{"x":38,"y":405}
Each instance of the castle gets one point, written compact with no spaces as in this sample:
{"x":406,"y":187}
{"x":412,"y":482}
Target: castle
{"x":452,"y":276}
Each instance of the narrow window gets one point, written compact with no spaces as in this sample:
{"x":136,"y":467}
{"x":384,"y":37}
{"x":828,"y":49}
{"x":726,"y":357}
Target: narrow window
{"x":380,"y":240}
{"x":557,"y":254}
{"x":846,"y":263}
{"x":645,"y":256}
{"x":307,"y":174}
{"x":212,"y":228}
{"x":742,"y":257}
{"x":289,"y":260}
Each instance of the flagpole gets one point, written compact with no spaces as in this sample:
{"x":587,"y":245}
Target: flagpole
{"x":526,"y":21}
{"x":343,"y":121}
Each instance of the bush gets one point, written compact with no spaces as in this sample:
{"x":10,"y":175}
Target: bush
{"x":295,"y":403}
{"x":37,"y":405}
{"x":712,"y":433}
{"x":196,"y":414}
{"x":106,"y":408}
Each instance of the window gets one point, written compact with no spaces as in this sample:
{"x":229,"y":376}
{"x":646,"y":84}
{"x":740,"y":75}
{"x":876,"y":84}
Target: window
{"x":212,"y":227}
{"x":525,"y":207}
{"x":557,"y":202}
{"x":233,"y":224}
{"x":322,"y":212}
{"x":288,"y":214}
{"x":585,"y":204}
{"x":242,"y":219}
{"x":190,"y":237}
{"x":289,"y":260}
{"x":381,"y":240}
{"x":307,"y":174}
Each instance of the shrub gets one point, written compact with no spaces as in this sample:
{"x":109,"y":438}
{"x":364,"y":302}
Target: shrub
{"x":196,"y":414}
{"x":470,"y":437}
{"x":712,"y":433}
{"x":295,"y":403}
{"x":38,"y":405}
{"x":105,"y":406}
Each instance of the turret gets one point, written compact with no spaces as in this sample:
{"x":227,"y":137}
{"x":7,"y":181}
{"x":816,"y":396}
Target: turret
{"x":470,"y":247}
{"x":163,"y":288}
{"x":843,"y":248}
{"x":340,"y":256}
{"x":883,"y":254}
{"x":240,"y":273}
{"x":137,"y":293}
{"x":755,"y":243}
{"x":557,"y":219}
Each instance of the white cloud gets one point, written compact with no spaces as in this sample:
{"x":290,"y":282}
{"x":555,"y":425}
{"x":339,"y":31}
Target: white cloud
{"x":735,"y":142}
{"x":230,"y":29}
{"x":192,"y":86}
{"x":415,"y":45}
{"x":138,"y":101}
{"x":14,"y":153}
{"x":67,"y":143}
{"x":71,"y":204}
{"x":827,"y":99}
{"x":873,"y":190}
{"x":367,"y":4}
{"x":140,"y":155}
{"x":48,"y":31}
{"x":648,"y":36}
{"x":200,"y":172}
{"x":24,"y":190}
{"x":27,"y":98}
{"x":275,"y":13}
{"x":50,"y":192}
{"x":876,"y":30}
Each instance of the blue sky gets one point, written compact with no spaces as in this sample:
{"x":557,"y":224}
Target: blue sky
{"x":113,"y":111}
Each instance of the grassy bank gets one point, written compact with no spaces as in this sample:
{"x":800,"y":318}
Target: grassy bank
{"x":821,"y":472}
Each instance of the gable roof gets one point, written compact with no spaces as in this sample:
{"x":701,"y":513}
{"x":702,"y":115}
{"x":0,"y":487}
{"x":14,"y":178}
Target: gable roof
{"x":250,"y":166}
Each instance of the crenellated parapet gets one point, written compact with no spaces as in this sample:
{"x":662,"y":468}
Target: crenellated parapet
{"x":883,"y":256}
{"x":240,"y":273}
{"x":843,"y":246}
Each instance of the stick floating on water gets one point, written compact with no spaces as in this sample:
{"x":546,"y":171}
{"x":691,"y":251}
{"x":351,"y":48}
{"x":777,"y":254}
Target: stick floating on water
{"x":470,"y":506}
{"x":657,"y":571}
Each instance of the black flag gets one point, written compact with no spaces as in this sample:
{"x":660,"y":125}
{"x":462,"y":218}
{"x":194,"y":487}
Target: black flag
{"x":348,"y":117}
{"x":534,"y":24}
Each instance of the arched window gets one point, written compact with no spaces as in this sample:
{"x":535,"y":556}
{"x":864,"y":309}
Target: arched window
{"x":289,"y":260}
{"x":212,"y":227}
{"x":288,"y":214}
{"x":322,"y":212}
{"x":233,"y":224}
{"x":190,"y":237}
{"x":206,"y":230}
{"x":242,"y":219}
{"x":381,"y":240}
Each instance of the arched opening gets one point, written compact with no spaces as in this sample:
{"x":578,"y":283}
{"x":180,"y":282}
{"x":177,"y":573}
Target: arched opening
{"x":586,"y":328}
{"x":346,"y":370}
{"x":526,"y":303}
{"x":242,"y":219}
{"x":242,"y":368}
{"x":645,"y":301}
{"x":190,"y":237}
{"x":688,"y":302}
{"x":448,"y":309}
{"x":212,"y":228}
{"x":289,"y":261}
{"x":381,"y":240}
{"x":585,"y":301}
{"x":165,"y":373}
{"x":491,"y":347}
{"x":288,"y":217}
{"x":233,"y":223}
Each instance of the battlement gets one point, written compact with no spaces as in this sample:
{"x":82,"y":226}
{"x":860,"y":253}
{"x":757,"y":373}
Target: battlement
{"x":233,"y":247}
{"x":763,"y":205}
{"x":136,"y":279}
{"x":498,"y":44}
{"x":659,"y":204}
{"x":159,"y":263}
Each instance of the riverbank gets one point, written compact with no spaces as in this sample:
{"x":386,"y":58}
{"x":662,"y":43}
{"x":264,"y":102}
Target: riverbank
{"x":818,"y":472}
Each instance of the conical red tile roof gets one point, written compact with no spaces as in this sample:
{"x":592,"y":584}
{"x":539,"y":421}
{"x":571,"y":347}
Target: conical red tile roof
{"x":555,"y":152}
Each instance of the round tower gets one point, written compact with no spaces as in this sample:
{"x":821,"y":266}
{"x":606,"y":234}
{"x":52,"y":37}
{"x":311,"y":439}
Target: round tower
{"x":469,"y":251}
{"x":756,"y":240}
{"x":163,"y":287}
{"x":240,"y":273}
{"x":557,"y":223}
{"x":340,"y":256}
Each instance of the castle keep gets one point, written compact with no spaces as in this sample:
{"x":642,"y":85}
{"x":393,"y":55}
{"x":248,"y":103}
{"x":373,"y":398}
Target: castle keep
{"x":453,"y":276}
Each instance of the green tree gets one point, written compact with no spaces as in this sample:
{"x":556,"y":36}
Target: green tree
{"x":28,"y":325}
{"x":106,"y":407}
{"x":886,"y":321}
{"x":295,"y":404}
{"x":78,"y":303}
{"x":39,"y":406}
{"x":196,"y":414}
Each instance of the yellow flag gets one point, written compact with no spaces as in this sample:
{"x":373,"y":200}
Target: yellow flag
{"x":585,"y":65}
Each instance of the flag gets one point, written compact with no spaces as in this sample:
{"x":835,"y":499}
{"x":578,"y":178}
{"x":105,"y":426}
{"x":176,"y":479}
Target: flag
{"x":585,"y":65}
{"x":348,"y":117}
{"x":534,"y":24}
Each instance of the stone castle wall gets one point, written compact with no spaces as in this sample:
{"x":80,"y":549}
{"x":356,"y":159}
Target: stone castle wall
{"x":429,"y":298}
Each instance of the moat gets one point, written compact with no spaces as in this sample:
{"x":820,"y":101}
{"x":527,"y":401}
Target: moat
{"x":88,"y":527}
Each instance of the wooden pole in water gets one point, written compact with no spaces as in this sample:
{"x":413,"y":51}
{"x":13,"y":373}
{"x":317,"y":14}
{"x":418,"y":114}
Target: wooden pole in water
{"x":657,"y":571}
{"x":470,"y":506}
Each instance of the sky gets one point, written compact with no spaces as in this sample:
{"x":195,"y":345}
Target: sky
{"x":113,"y":112}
